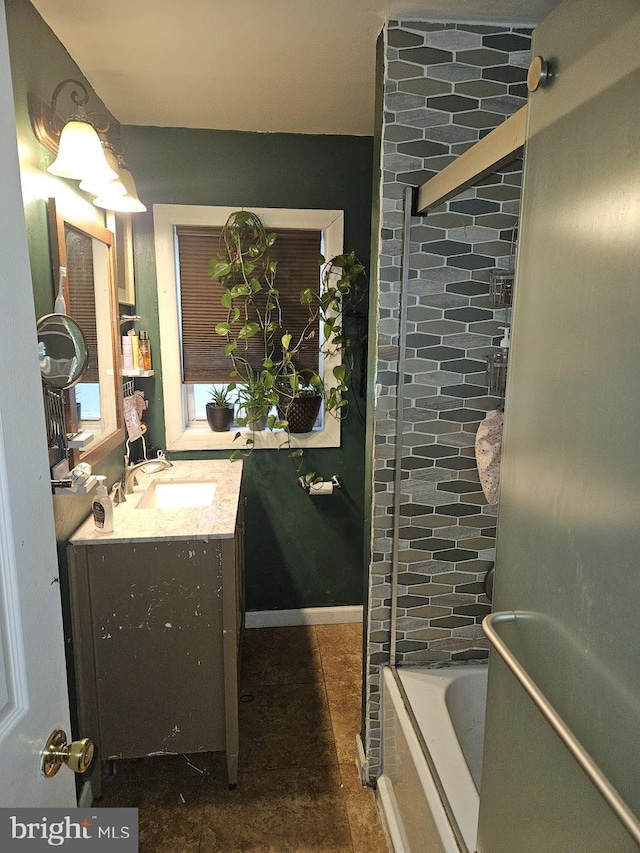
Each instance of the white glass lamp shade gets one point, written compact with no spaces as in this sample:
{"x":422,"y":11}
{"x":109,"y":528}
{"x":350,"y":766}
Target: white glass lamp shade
{"x":129,"y":203}
{"x":107,"y":188}
{"x":80,"y":154}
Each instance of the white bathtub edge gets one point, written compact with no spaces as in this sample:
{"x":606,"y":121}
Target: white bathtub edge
{"x":388,"y":811}
{"x":438,"y":812}
{"x":438,"y":732}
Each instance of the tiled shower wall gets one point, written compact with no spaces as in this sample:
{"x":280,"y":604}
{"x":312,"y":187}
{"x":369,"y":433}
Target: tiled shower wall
{"x":445,"y":87}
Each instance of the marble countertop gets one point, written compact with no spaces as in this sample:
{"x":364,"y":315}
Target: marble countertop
{"x":217,"y":521}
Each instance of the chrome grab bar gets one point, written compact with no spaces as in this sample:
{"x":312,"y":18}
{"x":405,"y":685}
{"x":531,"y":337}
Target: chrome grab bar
{"x":613,"y":799}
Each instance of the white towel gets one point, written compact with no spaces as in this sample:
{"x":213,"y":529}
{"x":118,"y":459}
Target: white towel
{"x":488,"y":453}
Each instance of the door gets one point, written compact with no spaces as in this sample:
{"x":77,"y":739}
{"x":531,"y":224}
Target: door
{"x":568,"y":544}
{"x":33,"y":681}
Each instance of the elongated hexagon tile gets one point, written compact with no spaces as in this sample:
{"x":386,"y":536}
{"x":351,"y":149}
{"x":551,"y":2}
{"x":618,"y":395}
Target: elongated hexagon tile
{"x":463,"y":99}
{"x":425,"y":55}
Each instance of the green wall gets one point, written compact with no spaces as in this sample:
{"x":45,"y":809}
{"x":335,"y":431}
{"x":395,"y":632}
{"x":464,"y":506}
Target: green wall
{"x":38,"y":62}
{"x":299,"y":552}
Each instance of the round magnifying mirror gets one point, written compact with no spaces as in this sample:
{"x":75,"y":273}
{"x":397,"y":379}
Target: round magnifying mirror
{"x":62,"y":351}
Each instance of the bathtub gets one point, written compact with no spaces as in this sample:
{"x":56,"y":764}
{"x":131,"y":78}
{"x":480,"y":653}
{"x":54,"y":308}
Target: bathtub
{"x":432,"y":735}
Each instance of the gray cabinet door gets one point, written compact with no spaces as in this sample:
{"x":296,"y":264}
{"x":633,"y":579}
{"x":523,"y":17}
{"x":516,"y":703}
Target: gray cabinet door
{"x":568,"y":546}
{"x":156,"y":646}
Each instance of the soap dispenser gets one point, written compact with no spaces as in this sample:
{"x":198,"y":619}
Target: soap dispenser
{"x":497,"y":365}
{"x":102,"y":507}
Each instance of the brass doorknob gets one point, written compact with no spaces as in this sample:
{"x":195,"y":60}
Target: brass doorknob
{"x":77,"y":755}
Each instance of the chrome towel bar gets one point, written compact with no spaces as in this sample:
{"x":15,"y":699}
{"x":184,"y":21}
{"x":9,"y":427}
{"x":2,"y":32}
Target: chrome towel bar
{"x":613,"y":799}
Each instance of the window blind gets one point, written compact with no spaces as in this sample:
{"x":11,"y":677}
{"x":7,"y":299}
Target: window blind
{"x":203,"y":358}
{"x":82,"y":299}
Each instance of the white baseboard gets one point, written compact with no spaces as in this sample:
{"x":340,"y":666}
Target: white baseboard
{"x":303,"y":616}
{"x":362,"y":765}
{"x":86,"y":796}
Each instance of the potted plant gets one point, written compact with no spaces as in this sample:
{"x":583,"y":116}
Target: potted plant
{"x":300,"y":410}
{"x":265,"y":358}
{"x":219,"y":409}
{"x":256,"y":399}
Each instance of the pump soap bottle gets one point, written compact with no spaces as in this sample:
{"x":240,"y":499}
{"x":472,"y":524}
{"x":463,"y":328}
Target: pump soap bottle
{"x":497,"y":365}
{"x":102,"y":508}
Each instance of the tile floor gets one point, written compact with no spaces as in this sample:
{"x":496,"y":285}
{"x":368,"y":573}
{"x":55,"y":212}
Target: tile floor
{"x":298,"y":788}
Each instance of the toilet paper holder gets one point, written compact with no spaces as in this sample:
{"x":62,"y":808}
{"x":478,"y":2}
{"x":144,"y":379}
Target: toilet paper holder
{"x":307,"y":486}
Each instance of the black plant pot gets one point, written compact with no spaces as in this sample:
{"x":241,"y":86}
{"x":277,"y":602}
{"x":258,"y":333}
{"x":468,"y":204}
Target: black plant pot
{"x":301,"y":413}
{"x":219,"y":418}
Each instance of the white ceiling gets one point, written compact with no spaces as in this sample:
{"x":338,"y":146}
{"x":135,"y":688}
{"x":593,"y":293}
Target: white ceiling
{"x":298,"y":66}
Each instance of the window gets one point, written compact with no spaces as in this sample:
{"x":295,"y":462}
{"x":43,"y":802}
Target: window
{"x":188,"y":302}
{"x":203,"y":359}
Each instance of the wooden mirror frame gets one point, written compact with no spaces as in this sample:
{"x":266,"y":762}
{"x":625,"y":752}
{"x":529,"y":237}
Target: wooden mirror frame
{"x":103,"y":444}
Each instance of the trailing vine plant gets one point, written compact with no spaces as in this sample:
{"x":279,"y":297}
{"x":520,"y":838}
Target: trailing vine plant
{"x":251,"y":298}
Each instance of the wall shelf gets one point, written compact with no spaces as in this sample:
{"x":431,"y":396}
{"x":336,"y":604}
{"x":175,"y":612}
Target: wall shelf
{"x":134,"y":372}
{"x":80,"y":439}
{"x":82,"y":489}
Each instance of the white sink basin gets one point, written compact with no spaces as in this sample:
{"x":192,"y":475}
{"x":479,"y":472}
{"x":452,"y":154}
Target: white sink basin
{"x":175,"y":494}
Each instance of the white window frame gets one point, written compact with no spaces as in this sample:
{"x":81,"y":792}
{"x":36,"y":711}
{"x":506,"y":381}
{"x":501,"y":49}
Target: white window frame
{"x":179,"y":433}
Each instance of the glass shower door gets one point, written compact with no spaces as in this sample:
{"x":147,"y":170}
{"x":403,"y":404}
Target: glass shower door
{"x":568,"y":545}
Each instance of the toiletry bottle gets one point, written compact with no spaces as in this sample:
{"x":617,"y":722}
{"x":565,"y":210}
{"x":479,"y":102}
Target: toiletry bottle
{"x":505,"y":343}
{"x":127,"y":353}
{"x":135,"y":350}
{"x":102,"y":508}
{"x":501,"y":361}
{"x":145,"y":351}
{"x":497,"y":365}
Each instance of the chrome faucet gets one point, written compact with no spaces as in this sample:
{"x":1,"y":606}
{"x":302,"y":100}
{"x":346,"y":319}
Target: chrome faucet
{"x":117,"y":493}
{"x":148,"y":466}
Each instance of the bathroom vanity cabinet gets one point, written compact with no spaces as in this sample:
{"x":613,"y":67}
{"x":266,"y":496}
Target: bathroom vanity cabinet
{"x":157,"y":625}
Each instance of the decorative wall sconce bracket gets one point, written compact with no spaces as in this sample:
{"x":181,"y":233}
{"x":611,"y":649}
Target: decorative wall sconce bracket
{"x":47,"y":123}
{"x":44,"y":122}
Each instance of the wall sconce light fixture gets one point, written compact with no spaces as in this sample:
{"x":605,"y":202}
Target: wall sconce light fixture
{"x":127,"y":202}
{"x":79,"y":152}
{"x":96,"y":184}
{"x":83,"y":151}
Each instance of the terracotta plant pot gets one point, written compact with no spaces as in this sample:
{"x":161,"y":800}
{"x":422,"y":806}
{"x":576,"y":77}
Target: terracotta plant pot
{"x":301,"y":412}
{"x":219,"y":418}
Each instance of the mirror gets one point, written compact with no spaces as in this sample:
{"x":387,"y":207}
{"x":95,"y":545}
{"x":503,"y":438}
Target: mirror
{"x":82,"y":256}
{"x":62,"y":351}
{"x":120,"y":224}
